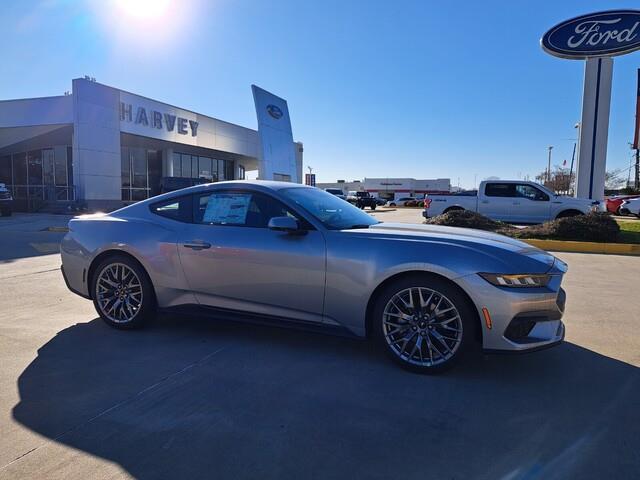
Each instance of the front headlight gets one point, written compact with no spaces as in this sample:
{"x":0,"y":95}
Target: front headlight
{"x":524,"y":280}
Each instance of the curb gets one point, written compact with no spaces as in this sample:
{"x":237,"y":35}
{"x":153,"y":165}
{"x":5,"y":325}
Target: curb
{"x":585,"y":247}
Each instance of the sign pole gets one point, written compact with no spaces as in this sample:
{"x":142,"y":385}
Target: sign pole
{"x":594,"y":128}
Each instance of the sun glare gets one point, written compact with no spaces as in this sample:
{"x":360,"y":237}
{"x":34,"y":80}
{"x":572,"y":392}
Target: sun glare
{"x":143,"y":8}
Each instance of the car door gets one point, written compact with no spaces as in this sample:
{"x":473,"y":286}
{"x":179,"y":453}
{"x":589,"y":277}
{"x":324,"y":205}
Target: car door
{"x":497,"y":201}
{"x":232,"y":260}
{"x":530,"y":205}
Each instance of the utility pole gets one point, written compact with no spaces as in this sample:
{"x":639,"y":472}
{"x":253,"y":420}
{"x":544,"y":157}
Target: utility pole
{"x":636,"y":183}
{"x":549,"y":164}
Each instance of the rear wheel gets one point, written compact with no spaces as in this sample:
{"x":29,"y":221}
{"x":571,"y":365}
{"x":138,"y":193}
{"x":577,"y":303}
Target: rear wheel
{"x":373,"y":207}
{"x":424,"y":323}
{"x":122,"y":293}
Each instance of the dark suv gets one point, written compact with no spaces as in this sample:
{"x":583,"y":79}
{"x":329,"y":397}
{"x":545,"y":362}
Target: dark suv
{"x":6,"y":201}
{"x":365,"y":199}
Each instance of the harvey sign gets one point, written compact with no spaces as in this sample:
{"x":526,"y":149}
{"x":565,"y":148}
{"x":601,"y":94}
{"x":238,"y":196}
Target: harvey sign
{"x":148,"y":118}
{"x":609,"y":33}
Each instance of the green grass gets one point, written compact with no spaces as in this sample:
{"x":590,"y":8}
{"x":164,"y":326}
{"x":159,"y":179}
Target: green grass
{"x":629,"y":231}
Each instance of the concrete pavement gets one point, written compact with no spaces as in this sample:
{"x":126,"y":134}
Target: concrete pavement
{"x":195,"y":398}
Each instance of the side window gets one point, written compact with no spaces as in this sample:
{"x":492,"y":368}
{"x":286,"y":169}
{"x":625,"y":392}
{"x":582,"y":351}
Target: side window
{"x":531,"y":192}
{"x":176,"y":209}
{"x":242,"y":209}
{"x":499,"y":190}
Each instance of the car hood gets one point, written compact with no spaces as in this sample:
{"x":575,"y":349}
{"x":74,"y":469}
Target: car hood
{"x":493,"y":244}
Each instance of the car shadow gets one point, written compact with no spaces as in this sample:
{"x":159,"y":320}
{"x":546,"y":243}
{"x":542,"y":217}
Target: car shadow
{"x":195,"y":398}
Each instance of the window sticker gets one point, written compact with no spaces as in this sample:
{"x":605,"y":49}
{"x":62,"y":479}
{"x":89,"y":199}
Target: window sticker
{"x":227,"y":208}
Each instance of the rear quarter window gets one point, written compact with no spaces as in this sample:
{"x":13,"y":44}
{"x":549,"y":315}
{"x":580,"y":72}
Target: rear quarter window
{"x":178,"y":209}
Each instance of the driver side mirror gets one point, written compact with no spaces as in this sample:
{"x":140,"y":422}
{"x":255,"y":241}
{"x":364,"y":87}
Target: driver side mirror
{"x":284,"y":224}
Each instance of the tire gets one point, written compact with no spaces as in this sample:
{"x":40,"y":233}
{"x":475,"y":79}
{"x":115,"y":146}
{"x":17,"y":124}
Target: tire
{"x":392,"y":204}
{"x":137,"y":290}
{"x":569,"y":213}
{"x":373,"y":207}
{"x":424,"y":349}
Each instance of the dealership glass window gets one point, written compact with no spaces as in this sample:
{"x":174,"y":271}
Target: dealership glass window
{"x":194,"y":166}
{"x":138,"y":167}
{"x":204,"y":168}
{"x":154,"y":162}
{"x":70,"y":167}
{"x":5,"y":170}
{"x":177,"y":166}
{"x":241,"y":172}
{"x":20,"y":169}
{"x":186,"y":166}
{"x":228,"y":170}
{"x":221,"y":171}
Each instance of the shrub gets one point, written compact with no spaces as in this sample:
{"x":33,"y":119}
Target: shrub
{"x":593,"y":227}
{"x":466,"y":219}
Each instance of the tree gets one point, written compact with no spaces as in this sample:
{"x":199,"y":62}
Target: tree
{"x":613,"y":179}
{"x":560,"y":181}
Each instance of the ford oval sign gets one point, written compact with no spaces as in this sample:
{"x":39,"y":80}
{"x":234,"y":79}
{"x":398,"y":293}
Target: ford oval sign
{"x":610,"y":33}
{"x":274,"y":111}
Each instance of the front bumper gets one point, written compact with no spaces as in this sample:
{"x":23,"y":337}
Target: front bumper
{"x":522,"y":320}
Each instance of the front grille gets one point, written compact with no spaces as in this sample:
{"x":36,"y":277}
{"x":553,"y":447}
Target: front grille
{"x":5,"y":195}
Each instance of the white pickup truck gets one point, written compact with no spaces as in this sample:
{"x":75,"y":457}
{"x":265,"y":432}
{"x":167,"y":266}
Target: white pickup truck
{"x":513,"y":201}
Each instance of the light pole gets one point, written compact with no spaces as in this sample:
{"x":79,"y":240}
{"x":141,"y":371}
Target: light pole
{"x":549,"y":164}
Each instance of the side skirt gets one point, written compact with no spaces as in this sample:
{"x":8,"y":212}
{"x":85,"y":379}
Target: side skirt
{"x":224,"y":314}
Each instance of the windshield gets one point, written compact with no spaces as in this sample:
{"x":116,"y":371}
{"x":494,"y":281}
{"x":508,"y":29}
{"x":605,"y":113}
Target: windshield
{"x":333,"y":212}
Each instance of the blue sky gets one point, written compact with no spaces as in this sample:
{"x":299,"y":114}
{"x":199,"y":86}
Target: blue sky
{"x":420,"y":89}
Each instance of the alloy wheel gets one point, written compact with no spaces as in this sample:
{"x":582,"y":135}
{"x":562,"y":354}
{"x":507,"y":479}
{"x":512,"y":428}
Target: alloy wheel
{"x":422,"y":326}
{"x":119,"y":293}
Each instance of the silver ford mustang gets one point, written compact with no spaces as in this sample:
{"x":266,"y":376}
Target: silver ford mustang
{"x":287,"y":253}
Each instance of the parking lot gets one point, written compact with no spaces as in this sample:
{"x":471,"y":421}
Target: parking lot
{"x":195,"y":398}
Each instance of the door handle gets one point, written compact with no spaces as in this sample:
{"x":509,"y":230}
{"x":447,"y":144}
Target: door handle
{"x":485,"y":201}
{"x":197,"y":245}
{"x":516,"y":203}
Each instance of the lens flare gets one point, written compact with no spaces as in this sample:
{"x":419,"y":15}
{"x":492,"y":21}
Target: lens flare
{"x":142,"y":9}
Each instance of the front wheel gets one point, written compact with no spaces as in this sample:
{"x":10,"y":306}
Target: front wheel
{"x":122,"y":293}
{"x":424,"y":323}
{"x":569,"y":214}
{"x":373,"y":207}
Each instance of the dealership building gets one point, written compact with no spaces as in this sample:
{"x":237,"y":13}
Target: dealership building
{"x":102,"y":147}
{"x":392,"y":188}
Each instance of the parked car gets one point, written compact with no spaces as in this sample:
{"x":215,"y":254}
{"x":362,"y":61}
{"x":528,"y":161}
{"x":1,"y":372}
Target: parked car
{"x":296,"y":255}
{"x":511,"y":201}
{"x":6,"y":201}
{"x":362,"y":200}
{"x":403,"y":202}
{"x":614,"y":203}
{"x":630,"y":206}
{"x":337,"y":192}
